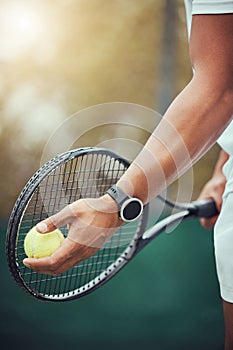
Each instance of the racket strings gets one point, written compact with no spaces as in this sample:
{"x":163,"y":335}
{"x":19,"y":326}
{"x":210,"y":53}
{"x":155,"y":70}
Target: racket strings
{"x":86,"y":176}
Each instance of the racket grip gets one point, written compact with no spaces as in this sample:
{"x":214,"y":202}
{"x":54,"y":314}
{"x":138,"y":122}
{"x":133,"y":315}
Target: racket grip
{"x":205,"y":208}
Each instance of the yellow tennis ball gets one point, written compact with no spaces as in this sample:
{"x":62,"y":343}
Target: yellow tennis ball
{"x":38,"y":245}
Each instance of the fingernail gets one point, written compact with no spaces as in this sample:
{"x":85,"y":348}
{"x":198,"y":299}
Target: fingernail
{"x":41,"y":227}
{"x":26,"y":264}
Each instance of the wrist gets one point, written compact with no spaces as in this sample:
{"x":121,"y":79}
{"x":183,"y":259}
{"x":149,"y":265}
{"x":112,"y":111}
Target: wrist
{"x":109,"y":202}
{"x":111,"y":207}
{"x":135,"y":184}
{"x":129,"y":208}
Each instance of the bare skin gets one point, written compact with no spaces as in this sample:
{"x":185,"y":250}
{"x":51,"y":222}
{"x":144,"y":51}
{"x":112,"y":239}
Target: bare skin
{"x":193,"y":122}
{"x":207,"y":101}
{"x":100,"y":227}
{"x":228,"y":318}
{"x":214,"y":189}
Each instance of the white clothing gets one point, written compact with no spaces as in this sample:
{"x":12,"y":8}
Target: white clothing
{"x":223,"y":231}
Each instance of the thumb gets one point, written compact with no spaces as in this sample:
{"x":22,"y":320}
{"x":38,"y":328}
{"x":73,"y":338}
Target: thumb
{"x":57,"y":220}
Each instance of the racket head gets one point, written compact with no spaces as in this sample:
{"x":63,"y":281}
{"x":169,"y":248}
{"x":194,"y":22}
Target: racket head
{"x":80,"y":173}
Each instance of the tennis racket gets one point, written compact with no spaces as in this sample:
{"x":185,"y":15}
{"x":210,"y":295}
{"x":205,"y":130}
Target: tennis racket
{"x":82,"y":173}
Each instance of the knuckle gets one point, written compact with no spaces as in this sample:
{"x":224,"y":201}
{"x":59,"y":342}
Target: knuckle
{"x":54,"y":264}
{"x":51,"y":221}
{"x":72,"y":209}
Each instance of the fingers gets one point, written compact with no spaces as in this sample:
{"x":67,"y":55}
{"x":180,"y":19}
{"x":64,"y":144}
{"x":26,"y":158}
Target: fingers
{"x":214,"y":190}
{"x":65,"y":216}
{"x":62,"y":259}
{"x":88,"y":232}
{"x":208,"y":223}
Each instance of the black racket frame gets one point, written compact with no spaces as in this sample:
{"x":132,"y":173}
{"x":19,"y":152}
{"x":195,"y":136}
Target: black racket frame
{"x":187,"y":210}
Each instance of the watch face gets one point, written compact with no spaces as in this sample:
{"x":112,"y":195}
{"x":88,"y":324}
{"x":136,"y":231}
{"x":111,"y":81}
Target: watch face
{"x":131,"y":210}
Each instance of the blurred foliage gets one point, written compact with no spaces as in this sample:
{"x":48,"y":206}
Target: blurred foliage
{"x":57,"y":58}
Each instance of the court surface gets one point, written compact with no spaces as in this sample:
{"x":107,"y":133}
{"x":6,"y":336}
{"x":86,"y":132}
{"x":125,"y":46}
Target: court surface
{"x":170,"y":301}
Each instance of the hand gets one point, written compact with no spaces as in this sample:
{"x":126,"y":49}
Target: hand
{"x":213,"y":189}
{"x":91,"y":223}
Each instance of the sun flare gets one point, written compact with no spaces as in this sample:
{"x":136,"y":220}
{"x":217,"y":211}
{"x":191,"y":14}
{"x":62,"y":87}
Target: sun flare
{"x":22,"y":25}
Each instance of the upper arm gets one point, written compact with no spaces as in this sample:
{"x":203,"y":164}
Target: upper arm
{"x":211,"y":48}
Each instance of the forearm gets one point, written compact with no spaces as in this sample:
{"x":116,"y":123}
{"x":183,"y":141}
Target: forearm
{"x":197,"y":116}
{"x":189,"y":128}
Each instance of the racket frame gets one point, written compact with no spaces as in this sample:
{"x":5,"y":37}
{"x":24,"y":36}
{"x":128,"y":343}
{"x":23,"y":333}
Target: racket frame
{"x":17,"y":215}
{"x":140,"y":240}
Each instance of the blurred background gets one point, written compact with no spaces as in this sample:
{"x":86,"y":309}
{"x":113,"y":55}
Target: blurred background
{"x":57,"y":58}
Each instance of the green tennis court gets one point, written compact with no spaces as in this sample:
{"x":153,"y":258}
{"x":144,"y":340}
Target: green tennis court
{"x":170,"y":300}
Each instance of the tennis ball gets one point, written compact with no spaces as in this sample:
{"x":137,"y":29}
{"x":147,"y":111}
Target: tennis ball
{"x":38,"y":245}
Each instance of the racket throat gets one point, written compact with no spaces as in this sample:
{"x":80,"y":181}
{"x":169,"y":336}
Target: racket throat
{"x":164,"y":225}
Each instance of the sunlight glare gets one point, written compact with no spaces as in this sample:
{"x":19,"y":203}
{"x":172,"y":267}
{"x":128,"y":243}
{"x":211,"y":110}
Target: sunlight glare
{"x":21,"y":27}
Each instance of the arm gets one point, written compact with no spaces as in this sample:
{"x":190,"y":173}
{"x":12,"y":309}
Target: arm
{"x":196,"y":117}
{"x":191,"y":125}
{"x":214,"y":188}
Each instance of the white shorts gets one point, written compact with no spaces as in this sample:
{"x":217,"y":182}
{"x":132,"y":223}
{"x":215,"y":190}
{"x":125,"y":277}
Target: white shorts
{"x":223,"y":238}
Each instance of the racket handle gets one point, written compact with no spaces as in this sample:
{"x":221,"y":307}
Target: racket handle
{"x":205,"y":208}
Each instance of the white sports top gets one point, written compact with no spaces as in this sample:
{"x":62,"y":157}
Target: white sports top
{"x":195,"y":7}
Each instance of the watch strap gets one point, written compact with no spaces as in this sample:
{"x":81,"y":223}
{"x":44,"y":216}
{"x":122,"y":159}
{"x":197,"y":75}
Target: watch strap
{"x":129,"y":208}
{"x":118,"y":195}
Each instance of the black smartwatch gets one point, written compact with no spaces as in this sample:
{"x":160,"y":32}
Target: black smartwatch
{"x":130,"y":208}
